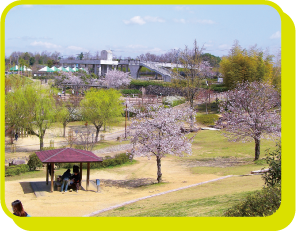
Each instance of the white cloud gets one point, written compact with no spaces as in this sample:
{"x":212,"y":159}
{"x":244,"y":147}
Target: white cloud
{"x":136,"y":46}
{"x":156,"y":51}
{"x":75,"y":48}
{"x":180,"y":21}
{"x":203,"y":21}
{"x":135,"y":20}
{"x":44,"y":44}
{"x":276,"y":35}
{"x":25,"y":38}
{"x":137,"y":49}
{"x":154,"y":19}
{"x":143,"y":20}
{"x":208,"y":45}
{"x":199,"y":21}
{"x":224,"y":46}
{"x":183,"y":8}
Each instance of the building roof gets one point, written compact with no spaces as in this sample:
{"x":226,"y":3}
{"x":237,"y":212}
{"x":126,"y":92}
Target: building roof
{"x":67,"y":155}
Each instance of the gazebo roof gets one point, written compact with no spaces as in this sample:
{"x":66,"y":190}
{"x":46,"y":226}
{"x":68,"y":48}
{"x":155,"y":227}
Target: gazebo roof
{"x":67,"y":155}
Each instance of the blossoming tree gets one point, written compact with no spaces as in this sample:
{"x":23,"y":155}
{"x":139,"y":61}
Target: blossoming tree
{"x":75,"y":79}
{"x":251,"y":113}
{"x":115,"y":79}
{"x":157,"y":132}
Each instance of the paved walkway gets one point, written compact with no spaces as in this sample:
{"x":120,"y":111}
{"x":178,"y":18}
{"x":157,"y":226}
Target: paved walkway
{"x":154,"y":195}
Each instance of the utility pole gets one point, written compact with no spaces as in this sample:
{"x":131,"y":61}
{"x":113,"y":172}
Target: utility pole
{"x":125,"y":118}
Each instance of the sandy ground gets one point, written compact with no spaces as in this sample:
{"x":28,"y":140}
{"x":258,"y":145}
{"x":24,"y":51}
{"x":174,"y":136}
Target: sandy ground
{"x":118,"y":185}
{"x":86,"y":202}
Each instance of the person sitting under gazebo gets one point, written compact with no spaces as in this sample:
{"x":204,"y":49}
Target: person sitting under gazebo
{"x":75,"y":180}
{"x":65,"y":177}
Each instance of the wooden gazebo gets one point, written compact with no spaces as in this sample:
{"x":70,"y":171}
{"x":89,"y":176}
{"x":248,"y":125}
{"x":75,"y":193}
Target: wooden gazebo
{"x":67,"y":155}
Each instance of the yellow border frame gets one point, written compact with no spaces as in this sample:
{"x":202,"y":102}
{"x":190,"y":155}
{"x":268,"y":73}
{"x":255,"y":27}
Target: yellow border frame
{"x":281,"y":219}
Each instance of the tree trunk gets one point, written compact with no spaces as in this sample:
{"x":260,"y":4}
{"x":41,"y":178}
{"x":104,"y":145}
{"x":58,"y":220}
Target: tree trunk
{"x":41,"y":137}
{"x":159,"y":174}
{"x":64,"y":132}
{"x":41,"y":142}
{"x":257,"y":149}
{"x":97,"y":133}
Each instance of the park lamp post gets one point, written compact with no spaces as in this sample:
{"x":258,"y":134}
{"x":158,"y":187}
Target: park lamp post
{"x":125,"y":118}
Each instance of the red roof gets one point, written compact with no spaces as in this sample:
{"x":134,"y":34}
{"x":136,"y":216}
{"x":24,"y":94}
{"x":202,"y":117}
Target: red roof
{"x":67,"y":155}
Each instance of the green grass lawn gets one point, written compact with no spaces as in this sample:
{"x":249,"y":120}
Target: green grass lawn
{"x":207,"y":200}
{"x":209,"y":144}
{"x":211,"y":199}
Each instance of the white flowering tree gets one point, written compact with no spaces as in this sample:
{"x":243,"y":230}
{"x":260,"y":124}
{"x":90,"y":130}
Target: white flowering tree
{"x":75,"y":79}
{"x":115,"y":79}
{"x":251,"y":113}
{"x":157,"y":132}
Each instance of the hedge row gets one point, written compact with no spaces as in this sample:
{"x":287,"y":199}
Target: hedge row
{"x":140,"y":83}
{"x":130,"y":91}
{"x":16,"y":170}
{"x":207,"y":119}
{"x":108,"y":161}
{"x":261,"y":203}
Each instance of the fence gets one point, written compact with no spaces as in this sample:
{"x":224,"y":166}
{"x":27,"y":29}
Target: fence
{"x":144,"y":100}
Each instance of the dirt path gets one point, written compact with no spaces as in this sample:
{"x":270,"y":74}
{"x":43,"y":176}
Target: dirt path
{"x":32,"y":143}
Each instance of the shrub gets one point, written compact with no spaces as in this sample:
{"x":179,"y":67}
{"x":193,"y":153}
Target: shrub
{"x":130,"y":91}
{"x":48,"y":148}
{"x":173,"y":100}
{"x":219,"y":88}
{"x":207,"y":119}
{"x":108,"y":161}
{"x":140,"y":83}
{"x":261,"y":203}
{"x":34,"y":162}
{"x":16,"y":170}
{"x":273,"y":158}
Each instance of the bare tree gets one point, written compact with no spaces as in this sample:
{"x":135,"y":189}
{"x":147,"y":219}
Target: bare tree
{"x":193,"y":68}
{"x":86,"y":139}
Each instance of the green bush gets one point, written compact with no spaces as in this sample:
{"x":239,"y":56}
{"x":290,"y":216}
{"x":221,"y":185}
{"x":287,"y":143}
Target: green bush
{"x":16,"y":170}
{"x":140,"y":83}
{"x":261,"y":203}
{"x":207,"y":119}
{"x":220,"y":89}
{"x":48,"y":148}
{"x":34,"y":162}
{"x":273,"y":158}
{"x":108,"y":161}
{"x":130,"y":91}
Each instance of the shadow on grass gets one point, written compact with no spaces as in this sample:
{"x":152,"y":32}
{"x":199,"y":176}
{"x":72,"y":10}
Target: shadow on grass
{"x":135,"y":183}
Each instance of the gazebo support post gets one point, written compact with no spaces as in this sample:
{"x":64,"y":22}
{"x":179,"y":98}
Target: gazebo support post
{"x":51,"y":186}
{"x":80,"y":174}
{"x":47,"y":171}
{"x":87,"y":176}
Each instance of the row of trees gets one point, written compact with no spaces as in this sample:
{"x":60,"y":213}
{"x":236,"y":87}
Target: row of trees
{"x":252,"y":109}
{"x":249,"y":112}
{"x":33,"y":59}
{"x":250,"y":65}
{"x":33,"y":108}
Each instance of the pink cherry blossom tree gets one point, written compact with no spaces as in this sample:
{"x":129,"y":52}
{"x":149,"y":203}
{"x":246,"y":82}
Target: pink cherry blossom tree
{"x":75,"y":79}
{"x":157,"y":132}
{"x":115,"y":79}
{"x":252,"y":111}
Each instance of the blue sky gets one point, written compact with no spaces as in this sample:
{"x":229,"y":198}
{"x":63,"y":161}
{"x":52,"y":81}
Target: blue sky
{"x":136,"y":29}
